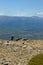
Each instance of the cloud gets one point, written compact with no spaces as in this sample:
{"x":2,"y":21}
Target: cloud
{"x":16,"y":14}
{"x":40,"y":14}
{"x":21,"y":14}
{"x":2,"y":14}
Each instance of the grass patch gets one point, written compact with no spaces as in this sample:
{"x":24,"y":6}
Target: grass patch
{"x":36,"y":60}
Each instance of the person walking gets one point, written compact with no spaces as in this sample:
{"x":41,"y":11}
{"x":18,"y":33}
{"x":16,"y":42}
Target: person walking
{"x":12,"y":37}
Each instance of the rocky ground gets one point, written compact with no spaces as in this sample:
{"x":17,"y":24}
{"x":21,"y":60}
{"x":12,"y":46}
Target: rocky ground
{"x":19,"y":52}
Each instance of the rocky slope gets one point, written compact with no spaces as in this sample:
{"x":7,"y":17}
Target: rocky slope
{"x":19,"y":52}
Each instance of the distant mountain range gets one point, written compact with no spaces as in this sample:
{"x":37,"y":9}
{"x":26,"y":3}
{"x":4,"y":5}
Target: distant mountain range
{"x":6,"y":19}
{"x":27,"y":27}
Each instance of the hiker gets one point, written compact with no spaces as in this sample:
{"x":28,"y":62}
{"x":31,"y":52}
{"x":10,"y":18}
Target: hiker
{"x":12,"y":37}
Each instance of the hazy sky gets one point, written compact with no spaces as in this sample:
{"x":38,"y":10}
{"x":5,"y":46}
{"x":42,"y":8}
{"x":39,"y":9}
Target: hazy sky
{"x":21,"y":7}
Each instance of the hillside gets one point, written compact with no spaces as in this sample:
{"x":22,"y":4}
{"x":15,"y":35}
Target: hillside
{"x":24,"y":27}
{"x":19,"y":52}
{"x":7,"y":19}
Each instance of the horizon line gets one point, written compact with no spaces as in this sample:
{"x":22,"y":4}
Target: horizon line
{"x":20,"y":16}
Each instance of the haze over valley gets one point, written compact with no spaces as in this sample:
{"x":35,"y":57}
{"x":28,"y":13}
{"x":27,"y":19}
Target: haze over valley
{"x":21,"y":27}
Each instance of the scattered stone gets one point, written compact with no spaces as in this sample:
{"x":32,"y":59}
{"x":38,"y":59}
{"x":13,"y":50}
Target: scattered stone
{"x":20,"y":52}
{"x":24,"y":46}
{"x":25,"y":39}
{"x":5,"y":64}
{"x":18,"y":39}
{"x":22,"y":43}
{"x":29,"y":48}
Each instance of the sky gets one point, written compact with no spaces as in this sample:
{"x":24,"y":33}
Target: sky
{"x":21,"y":7}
